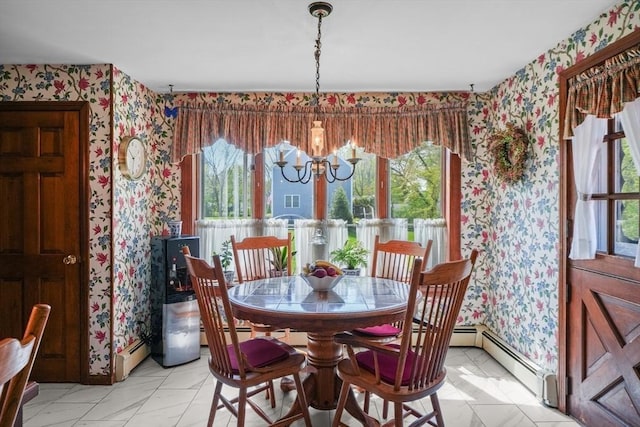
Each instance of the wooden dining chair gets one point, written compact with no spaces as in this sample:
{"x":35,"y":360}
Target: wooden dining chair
{"x":16,"y":360}
{"x":413,"y":368}
{"x":260,"y":257}
{"x":393,"y":259}
{"x":250,"y":366}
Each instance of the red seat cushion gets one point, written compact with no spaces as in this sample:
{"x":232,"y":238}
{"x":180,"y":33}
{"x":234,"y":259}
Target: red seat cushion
{"x":380,"y":331}
{"x":259,"y":352}
{"x":387,"y":364}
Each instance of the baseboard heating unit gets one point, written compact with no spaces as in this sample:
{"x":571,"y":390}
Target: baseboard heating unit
{"x":130,"y":357}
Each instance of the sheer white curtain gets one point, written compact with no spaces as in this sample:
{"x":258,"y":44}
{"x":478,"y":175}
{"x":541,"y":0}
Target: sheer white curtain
{"x":278,"y":227}
{"x":434,"y":229}
{"x":387,"y":229}
{"x":213,"y":232}
{"x":333,"y":231}
{"x":587,"y":141}
{"x":630,"y":119}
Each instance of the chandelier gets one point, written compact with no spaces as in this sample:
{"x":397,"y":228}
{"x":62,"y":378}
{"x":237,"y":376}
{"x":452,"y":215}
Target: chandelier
{"x":319,"y":164}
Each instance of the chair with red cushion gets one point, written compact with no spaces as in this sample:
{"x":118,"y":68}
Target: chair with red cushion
{"x":413,"y":368}
{"x":393,"y":259}
{"x":250,"y":366}
{"x":16,"y":360}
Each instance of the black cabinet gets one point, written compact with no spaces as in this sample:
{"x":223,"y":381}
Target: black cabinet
{"x":175,"y":319}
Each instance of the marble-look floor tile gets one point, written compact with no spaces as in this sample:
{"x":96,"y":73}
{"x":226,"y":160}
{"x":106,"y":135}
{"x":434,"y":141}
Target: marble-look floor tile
{"x":125,"y":399}
{"x":477,"y":393}
{"x":163,"y":408}
{"x":86,"y":394}
{"x":59,"y":414}
{"x":502,"y":415}
{"x":540,"y":413}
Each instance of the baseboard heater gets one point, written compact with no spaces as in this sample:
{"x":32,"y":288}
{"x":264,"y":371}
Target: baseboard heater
{"x":130,"y":357}
{"x":540,"y":382}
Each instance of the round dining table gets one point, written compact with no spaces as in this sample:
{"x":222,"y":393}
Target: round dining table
{"x":289,"y":302}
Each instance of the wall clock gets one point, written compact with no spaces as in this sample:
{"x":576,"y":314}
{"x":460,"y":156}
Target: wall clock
{"x":132,"y":157}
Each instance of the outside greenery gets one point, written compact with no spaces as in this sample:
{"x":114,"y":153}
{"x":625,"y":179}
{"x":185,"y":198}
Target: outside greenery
{"x":629,"y":183}
{"x":415,"y":184}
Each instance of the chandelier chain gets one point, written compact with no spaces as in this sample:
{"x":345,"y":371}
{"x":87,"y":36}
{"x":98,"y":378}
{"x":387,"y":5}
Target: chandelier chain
{"x":318,"y":164}
{"x":317,"y":56}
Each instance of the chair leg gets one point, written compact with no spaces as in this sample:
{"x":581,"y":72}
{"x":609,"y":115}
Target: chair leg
{"x":242,"y":405}
{"x":385,"y":409}
{"x":365,"y":404}
{"x":397,"y":414}
{"x":214,"y":403}
{"x":271,"y":395}
{"x":436,"y":408}
{"x":302,"y":400}
{"x":342,"y":401}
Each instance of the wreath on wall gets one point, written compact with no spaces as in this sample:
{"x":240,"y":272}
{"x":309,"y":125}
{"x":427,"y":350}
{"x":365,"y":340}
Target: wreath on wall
{"x":509,"y":148}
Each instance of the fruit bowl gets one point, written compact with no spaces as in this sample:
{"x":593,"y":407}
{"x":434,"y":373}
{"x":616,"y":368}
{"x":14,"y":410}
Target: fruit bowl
{"x":322,"y":283}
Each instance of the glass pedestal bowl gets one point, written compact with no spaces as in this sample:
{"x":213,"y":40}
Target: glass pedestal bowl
{"x":322,"y":283}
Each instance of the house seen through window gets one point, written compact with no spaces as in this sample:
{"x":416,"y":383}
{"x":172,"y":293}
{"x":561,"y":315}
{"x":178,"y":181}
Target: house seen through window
{"x":413,"y":185}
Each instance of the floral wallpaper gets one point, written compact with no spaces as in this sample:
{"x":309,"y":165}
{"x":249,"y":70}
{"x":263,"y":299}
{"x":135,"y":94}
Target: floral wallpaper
{"x":517,"y":226}
{"x":123,"y":214}
{"x":514,"y":289}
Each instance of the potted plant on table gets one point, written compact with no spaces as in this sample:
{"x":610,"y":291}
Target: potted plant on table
{"x":352,"y":256}
{"x":226,"y":256}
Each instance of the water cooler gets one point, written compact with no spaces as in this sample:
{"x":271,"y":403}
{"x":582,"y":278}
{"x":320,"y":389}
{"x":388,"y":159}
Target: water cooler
{"x":175,"y":318}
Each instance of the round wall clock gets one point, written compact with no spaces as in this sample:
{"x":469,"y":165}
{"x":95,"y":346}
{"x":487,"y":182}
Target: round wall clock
{"x":132,"y":157}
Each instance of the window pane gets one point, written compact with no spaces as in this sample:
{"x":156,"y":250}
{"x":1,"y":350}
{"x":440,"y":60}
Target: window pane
{"x":626,"y":237}
{"x":416,"y":183}
{"x":282,"y":198}
{"x":601,"y":224}
{"x":600,"y":171}
{"x":354,"y":197}
{"x":226,"y":182}
{"x":626,"y":177}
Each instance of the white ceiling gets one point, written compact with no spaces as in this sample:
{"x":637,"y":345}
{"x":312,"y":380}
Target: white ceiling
{"x":267,"y":45}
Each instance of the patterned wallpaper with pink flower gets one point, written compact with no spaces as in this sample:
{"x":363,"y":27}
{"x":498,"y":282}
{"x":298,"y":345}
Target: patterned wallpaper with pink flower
{"x":517,"y":226}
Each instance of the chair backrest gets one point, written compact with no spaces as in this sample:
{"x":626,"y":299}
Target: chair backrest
{"x":442,"y":290}
{"x":16,"y":360}
{"x":215,"y":312}
{"x":394,"y":259}
{"x":257,"y":257}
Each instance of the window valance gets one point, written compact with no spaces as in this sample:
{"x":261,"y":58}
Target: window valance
{"x":602,"y":90}
{"x":385,"y":131}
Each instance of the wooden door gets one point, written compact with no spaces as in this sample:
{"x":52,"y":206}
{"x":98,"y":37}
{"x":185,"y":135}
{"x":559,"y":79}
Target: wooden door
{"x":42,"y":243}
{"x":604,"y":344}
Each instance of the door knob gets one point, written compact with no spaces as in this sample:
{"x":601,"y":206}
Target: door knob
{"x":70,"y":259}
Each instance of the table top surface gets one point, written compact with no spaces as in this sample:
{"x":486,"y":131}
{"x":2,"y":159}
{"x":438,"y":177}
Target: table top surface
{"x":353,"y":296}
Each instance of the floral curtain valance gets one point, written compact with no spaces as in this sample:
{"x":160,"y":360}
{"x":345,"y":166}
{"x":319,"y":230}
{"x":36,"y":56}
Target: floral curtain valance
{"x":385,"y":131}
{"x":602,"y":90}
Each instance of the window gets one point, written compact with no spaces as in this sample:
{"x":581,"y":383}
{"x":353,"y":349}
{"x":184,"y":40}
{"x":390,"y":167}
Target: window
{"x":225,"y":181}
{"x":292,"y":201}
{"x":416,"y":178}
{"x":228,"y":178}
{"x":617,"y":196}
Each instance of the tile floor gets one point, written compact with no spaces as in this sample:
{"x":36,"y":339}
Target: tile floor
{"x":478,"y":393}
